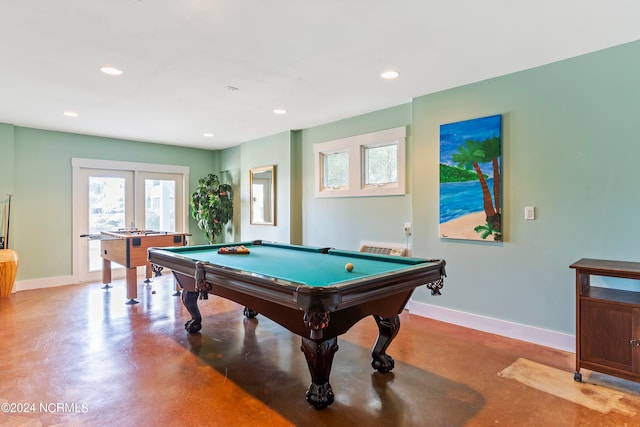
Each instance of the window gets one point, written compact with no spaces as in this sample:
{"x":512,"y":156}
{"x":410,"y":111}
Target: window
{"x":381,"y":165}
{"x":364,"y":165}
{"x":335,"y":170}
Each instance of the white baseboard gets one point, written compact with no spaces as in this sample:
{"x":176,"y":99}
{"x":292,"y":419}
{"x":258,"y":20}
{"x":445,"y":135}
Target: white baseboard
{"x":544,"y":337}
{"x":45,"y":282}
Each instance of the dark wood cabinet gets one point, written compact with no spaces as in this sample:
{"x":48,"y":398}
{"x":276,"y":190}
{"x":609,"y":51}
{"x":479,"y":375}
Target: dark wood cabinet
{"x":607,"y":320}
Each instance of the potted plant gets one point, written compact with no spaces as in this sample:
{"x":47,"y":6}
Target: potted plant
{"x":211,"y":206}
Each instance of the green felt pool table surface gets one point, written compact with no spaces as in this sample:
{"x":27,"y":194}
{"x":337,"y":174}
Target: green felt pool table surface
{"x":300,"y":264}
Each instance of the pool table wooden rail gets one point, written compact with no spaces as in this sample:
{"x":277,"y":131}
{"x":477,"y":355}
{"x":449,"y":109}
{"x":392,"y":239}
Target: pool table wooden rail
{"x":254,"y":290}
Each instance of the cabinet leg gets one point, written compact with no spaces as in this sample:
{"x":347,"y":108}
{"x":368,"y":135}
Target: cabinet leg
{"x":577,"y":376}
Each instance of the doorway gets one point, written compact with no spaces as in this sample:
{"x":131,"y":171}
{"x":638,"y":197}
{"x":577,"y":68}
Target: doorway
{"x":111,"y":196}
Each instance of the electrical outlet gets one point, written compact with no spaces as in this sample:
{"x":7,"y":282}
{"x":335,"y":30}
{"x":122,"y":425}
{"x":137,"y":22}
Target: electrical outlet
{"x":407,"y":228}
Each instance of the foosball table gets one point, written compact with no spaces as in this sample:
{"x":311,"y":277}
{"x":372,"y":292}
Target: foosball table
{"x":128,"y":247}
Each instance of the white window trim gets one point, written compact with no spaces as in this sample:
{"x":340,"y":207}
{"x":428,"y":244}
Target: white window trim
{"x":355,"y":145}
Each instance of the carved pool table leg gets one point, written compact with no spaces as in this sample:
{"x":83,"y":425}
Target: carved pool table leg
{"x":319,"y":355}
{"x":190,"y":301}
{"x":178,"y":289}
{"x":249,"y":314}
{"x":157,"y":270}
{"x":387,"y":331}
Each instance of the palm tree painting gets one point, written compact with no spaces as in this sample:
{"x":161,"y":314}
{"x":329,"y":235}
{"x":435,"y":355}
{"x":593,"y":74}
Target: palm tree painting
{"x":470,"y":173}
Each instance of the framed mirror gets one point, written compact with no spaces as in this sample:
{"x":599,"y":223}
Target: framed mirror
{"x":262,"y":184}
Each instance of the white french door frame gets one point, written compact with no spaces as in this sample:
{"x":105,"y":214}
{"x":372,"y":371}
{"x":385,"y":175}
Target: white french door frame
{"x":140,"y":172}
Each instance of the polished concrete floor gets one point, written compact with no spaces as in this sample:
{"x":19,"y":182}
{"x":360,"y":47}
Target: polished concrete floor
{"x":77,"y":355}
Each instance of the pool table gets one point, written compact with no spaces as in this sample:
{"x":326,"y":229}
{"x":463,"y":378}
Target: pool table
{"x":307,"y":290}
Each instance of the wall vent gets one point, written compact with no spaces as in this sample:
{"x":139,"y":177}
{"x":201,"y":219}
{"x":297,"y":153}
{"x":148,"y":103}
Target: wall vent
{"x":393,"y":249}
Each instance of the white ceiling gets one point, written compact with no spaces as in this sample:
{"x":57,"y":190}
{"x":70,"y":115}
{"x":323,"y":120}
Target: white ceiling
{"x":320,"y":60}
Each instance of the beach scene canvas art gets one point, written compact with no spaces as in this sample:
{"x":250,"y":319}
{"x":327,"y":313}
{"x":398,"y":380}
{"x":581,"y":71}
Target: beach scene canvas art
{"x":470,"y":185}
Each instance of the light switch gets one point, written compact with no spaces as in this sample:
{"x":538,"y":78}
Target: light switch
{"x":529,"y":212}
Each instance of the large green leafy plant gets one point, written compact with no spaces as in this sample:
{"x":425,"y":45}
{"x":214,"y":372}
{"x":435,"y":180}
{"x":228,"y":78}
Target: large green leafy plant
{"x":211,"y":206}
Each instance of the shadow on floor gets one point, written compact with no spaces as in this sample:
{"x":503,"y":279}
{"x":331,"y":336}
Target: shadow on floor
{"x":265,"y":360}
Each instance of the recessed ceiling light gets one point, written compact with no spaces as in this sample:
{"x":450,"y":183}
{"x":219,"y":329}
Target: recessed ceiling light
{"x":112,"y":71}
{"x":207,"y":135}
{"x":390,"y":74}
{"x":70,"y":114}
{"x":279,"y":111}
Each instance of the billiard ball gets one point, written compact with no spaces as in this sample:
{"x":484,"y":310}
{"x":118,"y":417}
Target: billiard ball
{"x":348,"y":266}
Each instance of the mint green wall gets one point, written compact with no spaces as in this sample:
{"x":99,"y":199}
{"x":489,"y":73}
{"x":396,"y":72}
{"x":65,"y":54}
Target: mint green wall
{"x":230,"y":166}
{"x":571,"y":150}
{"x":270,"y":150}
{"x":41,"y":210}
{"x":6,"y":159}
{"x":343,"y":222}
{"x":283,"y":151}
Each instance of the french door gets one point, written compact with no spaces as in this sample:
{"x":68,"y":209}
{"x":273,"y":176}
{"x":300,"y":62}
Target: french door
{"x":107,"y":204}
{"x":110,"y":196}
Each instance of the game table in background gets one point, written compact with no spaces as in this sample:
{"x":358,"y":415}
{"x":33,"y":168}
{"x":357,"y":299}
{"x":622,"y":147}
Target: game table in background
{"x":307,"y":290}
{"x":129,"y":249}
